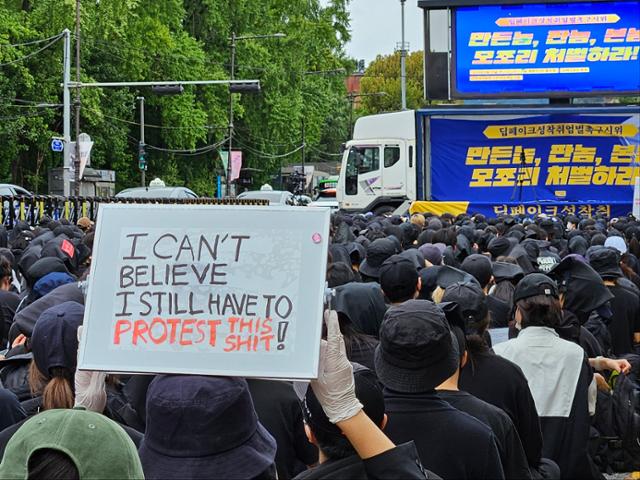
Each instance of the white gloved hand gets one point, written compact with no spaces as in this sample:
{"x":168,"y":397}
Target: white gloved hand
{"x":91,"y":390}
{"x":335,"y":387}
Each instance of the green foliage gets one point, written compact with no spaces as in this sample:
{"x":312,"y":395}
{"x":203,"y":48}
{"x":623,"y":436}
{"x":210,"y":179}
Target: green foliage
{"x":144,"y":40}
{"x":383,"y":75}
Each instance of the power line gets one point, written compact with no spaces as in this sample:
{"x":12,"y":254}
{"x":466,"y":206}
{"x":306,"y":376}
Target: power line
{"x":33,"y":42}
{"x":162,"y":127}
{"x":193,"y":151}
{"x":33,"y":54}
{"x":270,"y":155}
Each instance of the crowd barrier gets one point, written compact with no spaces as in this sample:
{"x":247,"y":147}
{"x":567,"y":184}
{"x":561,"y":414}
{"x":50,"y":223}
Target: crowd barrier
{"x":31,"y":209}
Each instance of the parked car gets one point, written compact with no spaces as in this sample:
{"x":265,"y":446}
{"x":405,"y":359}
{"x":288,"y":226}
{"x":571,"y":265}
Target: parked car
{"x":275,"y":197}
{"x":157,"y":192}
{"x":7,"y":189}
{"x":331,"y":202}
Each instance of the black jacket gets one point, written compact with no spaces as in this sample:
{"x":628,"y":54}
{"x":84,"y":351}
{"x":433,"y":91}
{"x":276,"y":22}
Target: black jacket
{"x":451,"y":443}
{"x":500,"y":382}
{"x":400,"y":463}
{"x":514,"y":460}
{"x":279,"y":411}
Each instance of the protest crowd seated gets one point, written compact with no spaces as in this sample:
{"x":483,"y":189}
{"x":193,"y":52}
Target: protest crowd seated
{"x":455,"y":347}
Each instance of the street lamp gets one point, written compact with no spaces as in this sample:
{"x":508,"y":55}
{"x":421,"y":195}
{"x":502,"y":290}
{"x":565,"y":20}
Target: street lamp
{"x":233,"y":41}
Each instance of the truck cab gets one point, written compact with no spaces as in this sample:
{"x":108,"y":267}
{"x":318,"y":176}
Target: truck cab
{"x":378,"y":171}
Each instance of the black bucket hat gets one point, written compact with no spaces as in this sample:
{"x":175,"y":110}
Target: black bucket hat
{"x":203,"y":427}
{"x":417,"y":351}
{"x":606,"y":261}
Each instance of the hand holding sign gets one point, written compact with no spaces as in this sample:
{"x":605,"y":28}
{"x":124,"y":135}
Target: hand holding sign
{"x":335,"y":386}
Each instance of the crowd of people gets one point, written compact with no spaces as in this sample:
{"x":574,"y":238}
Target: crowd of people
{"x":454,"y":347}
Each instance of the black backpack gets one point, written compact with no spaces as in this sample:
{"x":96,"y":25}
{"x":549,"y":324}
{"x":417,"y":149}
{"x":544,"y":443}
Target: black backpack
{"x":626,"y":421}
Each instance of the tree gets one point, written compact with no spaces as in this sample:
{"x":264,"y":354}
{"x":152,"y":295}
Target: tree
{"x":383,"y":75}
{"x":146,"y":40}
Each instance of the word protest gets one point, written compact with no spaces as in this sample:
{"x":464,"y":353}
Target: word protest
{"x":206,"y":290}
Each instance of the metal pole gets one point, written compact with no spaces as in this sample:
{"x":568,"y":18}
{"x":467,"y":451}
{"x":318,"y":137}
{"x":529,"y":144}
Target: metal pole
{"x":233,"y":72}
{"x":163,"y":83}
{"x":66,"y":113}
{"x":142,"y":142}
{"x":352,"y":99}
{"x":77,"y":104}
{"x":304,"y":174}
{"x":403,"y":62}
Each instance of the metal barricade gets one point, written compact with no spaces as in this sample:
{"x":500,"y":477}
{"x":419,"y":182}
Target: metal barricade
{"x":31,"y":209}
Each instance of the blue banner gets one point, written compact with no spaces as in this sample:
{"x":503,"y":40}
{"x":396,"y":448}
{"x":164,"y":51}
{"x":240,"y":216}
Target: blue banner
{"x":530,"y":161}
{"x":546,"y":49}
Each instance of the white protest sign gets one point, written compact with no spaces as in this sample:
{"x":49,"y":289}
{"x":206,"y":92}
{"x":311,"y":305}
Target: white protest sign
{"x":214,"y":290}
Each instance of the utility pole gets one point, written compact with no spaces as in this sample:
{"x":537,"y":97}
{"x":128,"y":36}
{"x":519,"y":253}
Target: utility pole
{"x":77,"y":104}
{"x":142,"y":156}
{"x":403,"y":61}
{"x":233,"y":72}
{"x":304,"y":144}
{"x":66,"y":113}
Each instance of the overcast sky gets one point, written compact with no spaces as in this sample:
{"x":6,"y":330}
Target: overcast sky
{"x":375,"y":27}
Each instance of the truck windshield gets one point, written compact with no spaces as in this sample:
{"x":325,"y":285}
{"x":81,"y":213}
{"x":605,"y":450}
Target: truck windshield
{"x":361,"y":160}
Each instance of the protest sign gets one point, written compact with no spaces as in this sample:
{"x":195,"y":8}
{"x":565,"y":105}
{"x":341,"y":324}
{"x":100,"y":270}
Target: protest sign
{"x":213,"y":290}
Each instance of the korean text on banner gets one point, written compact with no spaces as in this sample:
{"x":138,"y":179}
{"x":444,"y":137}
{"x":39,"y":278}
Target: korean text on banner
{"x":214,"y":290}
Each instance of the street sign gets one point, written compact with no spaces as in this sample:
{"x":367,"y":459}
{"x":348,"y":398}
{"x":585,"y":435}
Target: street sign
{"x":57,"y":145}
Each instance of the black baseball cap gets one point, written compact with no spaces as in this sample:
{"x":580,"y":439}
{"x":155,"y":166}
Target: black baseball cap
{"x":480,"y":267}
{"x":398,"y":278}
{"x":417,"y":351}
{"x":533,"y":285}
{"x":507,"y":271}
{"x":471,"y":300}
{"x":377,"y":252}
{"x":448,"y":275}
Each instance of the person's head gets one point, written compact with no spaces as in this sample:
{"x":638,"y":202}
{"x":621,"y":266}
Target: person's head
{"x":54,"y":344}
{"x":618,"y":243}
{"x":84,"y":224}
{"x":537,"y":302}
{"x":339,"y":274}
{"x":581,"y":288}
{"x":431,"y":254}
{"x":5,"y":274}
{"x":418,"y":219}
{"x":480,"y":267}
{"x":70,"y":444}
{"x":377,"y":252}
{"x":416,"y":351}
{"x":399,"y":279}
{"x":472,"y":303}
{"x":203,"y":427}
{"x":327,"y":436}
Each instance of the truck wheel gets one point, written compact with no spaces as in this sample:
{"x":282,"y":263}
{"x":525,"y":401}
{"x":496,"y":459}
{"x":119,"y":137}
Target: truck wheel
{"x":384,"y":211}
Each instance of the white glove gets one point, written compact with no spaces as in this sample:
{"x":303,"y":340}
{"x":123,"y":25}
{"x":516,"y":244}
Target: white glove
{"x":91,"y":391}
{"x":335,"y":387}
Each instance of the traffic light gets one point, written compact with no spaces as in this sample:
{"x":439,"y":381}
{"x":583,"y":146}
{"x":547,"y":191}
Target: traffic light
{"x":245,"y":87}
{"x":142,"y":157}
{"x":167,"y":89}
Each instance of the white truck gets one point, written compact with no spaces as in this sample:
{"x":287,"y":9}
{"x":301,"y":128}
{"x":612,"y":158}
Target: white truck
{"x":388,"y":163}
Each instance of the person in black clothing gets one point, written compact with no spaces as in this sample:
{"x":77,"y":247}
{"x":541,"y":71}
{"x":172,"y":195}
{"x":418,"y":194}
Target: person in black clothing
{"x":417,"y":352}
{"x":470,"y":320}
{"x":279,"y":412}
{"x":338,"y":459}
{"x":624,"y":326}
{"x":399,"y":279}
{"x":9,"y":301}
{"x":514,"y":460}
{"x":498,"y":381}
{"x":480,"y":267}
